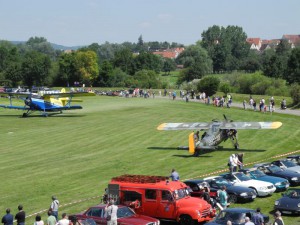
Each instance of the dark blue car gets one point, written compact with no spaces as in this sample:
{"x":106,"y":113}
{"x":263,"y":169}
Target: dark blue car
{"x":235,"y":193}
{"x":290,"y":202}
{"x":281,"y":184}
{"x":272,"y":170}
{"x":235,"y":215}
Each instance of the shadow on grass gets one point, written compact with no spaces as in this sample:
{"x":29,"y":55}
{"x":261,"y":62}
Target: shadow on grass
{"x":205,"y":151}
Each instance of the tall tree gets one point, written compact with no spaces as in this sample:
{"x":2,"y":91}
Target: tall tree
{"x":36,"y":68}
{"x":196,"y":62}
{"x":292,"y":74}
{"x":148,"y":61}
{"x":124,"y":60}
{"x":227,"y":47}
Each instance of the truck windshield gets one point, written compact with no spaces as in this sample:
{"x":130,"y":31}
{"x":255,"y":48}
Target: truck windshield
{"x":180,"y":193}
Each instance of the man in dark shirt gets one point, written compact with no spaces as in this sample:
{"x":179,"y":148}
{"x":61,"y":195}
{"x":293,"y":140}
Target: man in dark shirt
{"x":8,"y":218}
{"x":20,"y":216}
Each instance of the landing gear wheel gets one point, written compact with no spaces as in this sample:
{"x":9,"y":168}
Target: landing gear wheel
{"x":196,"y":153}
{"x":186,"y":220}
{"x":24,"y":114}
{"x":236,"y":146}
{"x":232,"y":199}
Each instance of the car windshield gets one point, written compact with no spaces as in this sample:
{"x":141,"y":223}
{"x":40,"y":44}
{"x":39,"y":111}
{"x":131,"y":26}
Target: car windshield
{"x":124,"y":212}
{"x":293,"y":193}
{"x":274,"y":169}
{"x":220,"y":182}
{"x":242,"y":177}
{"x":180,"y":193}
{"x":234,"y":217}
{"x":257,"y":173}
{"x":288,"y":163}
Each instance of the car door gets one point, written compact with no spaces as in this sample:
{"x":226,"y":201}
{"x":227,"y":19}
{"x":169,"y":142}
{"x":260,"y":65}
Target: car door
{"x":167,"y":205}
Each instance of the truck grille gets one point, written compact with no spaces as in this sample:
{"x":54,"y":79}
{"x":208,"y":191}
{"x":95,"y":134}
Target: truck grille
{"x":205,"y":212}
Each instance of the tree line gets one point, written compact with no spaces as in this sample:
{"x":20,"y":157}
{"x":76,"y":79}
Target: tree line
{"x":220,"y":50}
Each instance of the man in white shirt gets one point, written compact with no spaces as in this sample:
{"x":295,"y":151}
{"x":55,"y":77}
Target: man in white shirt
{"x":65,"y":220}
{"x":248,"y":222}
{"x":111,"y":210}
{"x":54,"y":207}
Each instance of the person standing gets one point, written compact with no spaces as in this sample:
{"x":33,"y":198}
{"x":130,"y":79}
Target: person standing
{"x":8,"y":219}
{"x":240,"y":157}
{"x":51,"y":220}
{"x":20,"y":216}
{"x":248,"y":222}
{"x":278,"y":220}
{"x":111,"y":213}
{"x":258,"y":218}
{"x":65,"y":220}
{"x":38,"y":220}
{"x":223,"y":197}
{"x":174,"y":175}
{"x":54,"y":206}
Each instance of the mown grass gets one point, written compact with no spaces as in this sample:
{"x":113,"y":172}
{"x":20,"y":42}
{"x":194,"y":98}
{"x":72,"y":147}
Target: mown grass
{"x":73,"y":155}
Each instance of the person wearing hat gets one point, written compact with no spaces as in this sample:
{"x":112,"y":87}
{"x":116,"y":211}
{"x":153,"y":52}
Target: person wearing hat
{"x":111,"y":213}
{"x":54,"y":207}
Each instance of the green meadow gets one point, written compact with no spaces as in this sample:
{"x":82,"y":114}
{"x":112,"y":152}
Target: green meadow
{"x":73,"y":155}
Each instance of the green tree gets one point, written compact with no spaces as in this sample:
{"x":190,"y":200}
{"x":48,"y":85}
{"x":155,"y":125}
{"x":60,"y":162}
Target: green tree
{"x":87,"y":66}
{"x":227,"y":47}
{"x":293,"y":67}
{"x":209,"y":85}
{"x":168,"y":65}
{"x":117,"y":78}
{"x":36,"y":68}
{"x":105,"y":72}
{"x":147,"y":79}
{"x":148,"y":61}
{"x":295,"y":93}
{"x":124,"y":60}
{"x":196,"y":63}
{"x":67,"y":72}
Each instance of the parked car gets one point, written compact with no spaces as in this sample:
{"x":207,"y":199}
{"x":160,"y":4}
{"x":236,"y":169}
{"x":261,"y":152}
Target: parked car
{"x":287,"y":165}
{"x":294,"y":158}
{"x":235,"y":193}
{"x":290,"y":202}
{"x":281,"y":184}
{"x":125,"y":216}
{"x":273,"y":170}
{"x":235,"y":215}
{"x":262,"y":188}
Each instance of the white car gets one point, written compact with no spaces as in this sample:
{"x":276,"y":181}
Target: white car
{"x":262,"y":188}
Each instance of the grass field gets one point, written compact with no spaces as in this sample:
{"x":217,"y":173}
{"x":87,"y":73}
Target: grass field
{"x":73,"y":155}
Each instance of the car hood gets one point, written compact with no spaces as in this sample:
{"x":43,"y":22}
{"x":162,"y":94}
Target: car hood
{"x":238,"y":189}
{"x":287,"y":202}
{"x":255,"y":183}
{"x":294,"y":168}
{"x":271,"y":179}
{"x":137,"y":219}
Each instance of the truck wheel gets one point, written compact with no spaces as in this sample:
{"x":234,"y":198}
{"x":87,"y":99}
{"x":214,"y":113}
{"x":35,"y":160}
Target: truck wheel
{"x":232,"y":199}
{"x":186,"y":220}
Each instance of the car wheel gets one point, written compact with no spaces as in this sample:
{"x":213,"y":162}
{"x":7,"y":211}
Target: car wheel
{"x":232,"y":198}
{"x":254,"y":190}
{"x":186,"y":220}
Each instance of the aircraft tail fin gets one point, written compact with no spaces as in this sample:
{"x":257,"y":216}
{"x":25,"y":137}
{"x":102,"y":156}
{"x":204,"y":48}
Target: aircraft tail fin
{"x":191,"y":143}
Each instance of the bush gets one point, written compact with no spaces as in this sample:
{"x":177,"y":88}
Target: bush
{"x":209,"y":85}
{"x":295,"y":93}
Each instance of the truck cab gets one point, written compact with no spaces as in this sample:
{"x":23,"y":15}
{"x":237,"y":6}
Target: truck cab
{"x":158,"y":197}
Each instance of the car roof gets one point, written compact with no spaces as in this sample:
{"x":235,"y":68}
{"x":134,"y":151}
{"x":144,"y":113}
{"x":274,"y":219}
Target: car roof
{"x":212,"y":177}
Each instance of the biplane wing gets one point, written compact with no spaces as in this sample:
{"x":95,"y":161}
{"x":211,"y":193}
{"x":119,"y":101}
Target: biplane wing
{"x":250,"y":125}
{"x":184,"y":126}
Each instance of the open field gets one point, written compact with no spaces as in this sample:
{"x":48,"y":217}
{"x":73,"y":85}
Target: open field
{"x":74,"y":155}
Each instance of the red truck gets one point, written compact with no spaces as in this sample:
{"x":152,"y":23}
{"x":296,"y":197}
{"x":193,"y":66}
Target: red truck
{"x":158,"y":197}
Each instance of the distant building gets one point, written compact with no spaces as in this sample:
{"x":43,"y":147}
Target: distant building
{"x":255,"y":43}
{"x":293,"y":39}
{"x":171,"y":53}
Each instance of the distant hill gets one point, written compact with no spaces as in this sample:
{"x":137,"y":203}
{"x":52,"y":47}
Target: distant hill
{"x":55,"y":46}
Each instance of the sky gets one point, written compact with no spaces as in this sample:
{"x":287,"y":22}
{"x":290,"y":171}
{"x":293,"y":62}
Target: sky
{"x":83,"y":22}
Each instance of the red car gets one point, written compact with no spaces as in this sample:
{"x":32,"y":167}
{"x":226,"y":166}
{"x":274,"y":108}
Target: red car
{"x":125,"y":215}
